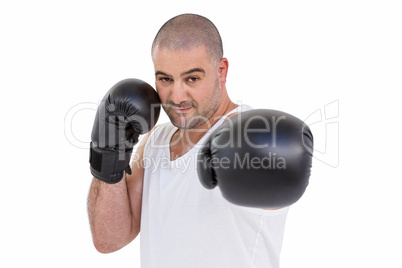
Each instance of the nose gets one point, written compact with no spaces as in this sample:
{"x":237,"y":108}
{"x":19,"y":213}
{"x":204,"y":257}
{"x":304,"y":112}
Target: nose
{"x":178,"y":93}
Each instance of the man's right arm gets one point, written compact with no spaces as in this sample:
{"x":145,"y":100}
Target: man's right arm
{"x":115,"y":209}
{"x":130,"y":108}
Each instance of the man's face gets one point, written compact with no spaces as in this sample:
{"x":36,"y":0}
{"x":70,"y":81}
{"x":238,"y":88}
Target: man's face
{"x":188,"y":84}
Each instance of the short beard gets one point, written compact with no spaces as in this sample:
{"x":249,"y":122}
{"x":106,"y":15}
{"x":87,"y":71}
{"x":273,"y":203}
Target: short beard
{"x":202,"y":114}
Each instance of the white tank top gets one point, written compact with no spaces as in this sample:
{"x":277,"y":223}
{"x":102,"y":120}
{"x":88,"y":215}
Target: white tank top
{"x":184,"y":225}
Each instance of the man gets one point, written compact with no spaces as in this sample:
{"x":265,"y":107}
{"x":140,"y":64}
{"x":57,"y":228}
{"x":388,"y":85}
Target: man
{"x":183,"y":224}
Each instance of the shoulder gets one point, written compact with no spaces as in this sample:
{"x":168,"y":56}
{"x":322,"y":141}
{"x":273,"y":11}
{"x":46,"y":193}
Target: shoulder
{"x":237,"y":110}
{"x":159,"y":137}
{"x":161,"y":132}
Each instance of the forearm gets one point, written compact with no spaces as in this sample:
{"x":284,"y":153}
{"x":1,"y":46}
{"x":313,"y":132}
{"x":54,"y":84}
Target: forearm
{"x":110,"y":215}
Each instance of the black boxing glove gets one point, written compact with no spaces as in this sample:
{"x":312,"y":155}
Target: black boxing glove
{"x":259,"y":158}
{"x":130,"y":108}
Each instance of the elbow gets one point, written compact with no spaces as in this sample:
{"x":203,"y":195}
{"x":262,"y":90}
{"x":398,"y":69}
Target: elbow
{"x":106,"y":249}
{"x":103,"y":249}
{"x":112,"y":242}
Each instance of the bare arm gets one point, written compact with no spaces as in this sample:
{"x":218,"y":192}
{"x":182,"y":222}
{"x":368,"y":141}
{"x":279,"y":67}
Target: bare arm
{"x":115,"y":209}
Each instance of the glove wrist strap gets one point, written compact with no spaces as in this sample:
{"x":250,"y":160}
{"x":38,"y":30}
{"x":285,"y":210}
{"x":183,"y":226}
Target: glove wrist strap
{"x":109,"y":165}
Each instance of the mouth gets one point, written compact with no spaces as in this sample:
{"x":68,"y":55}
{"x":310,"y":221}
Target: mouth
{"x":182,"y":110}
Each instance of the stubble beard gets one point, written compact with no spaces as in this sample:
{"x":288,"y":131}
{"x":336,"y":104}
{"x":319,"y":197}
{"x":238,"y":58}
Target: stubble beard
{"x":201,"y":115}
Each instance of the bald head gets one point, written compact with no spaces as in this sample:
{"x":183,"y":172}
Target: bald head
{"x":188,"y":31}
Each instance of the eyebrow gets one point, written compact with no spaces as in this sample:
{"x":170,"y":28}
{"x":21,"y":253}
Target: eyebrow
{"x":194,"y":70}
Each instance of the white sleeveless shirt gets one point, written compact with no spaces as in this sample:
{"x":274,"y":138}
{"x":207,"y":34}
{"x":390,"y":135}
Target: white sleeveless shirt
{"x":184,"y":225}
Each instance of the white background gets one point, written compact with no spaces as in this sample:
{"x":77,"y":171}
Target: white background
{"x":58,"y":58}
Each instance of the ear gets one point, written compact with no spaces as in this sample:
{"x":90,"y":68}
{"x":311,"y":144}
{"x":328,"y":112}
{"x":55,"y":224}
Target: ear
{"x":223,"y":67}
